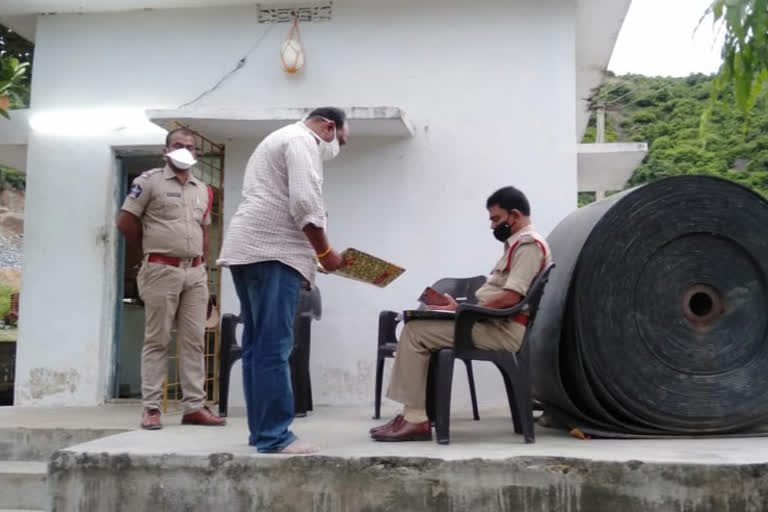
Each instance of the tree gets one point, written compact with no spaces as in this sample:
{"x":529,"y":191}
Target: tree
{"x":14,"y":92}
{"x":13,"y":45}
{"x":15,"y":57}
{"x":745,"y":49}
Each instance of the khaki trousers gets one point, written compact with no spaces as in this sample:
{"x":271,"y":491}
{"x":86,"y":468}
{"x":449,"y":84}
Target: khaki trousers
{"x":419,"y":338}
{"x":180,"y":295}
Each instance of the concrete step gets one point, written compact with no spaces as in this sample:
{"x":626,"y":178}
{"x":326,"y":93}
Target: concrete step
{"x":23,"y":485}
{"x":38,"y":444}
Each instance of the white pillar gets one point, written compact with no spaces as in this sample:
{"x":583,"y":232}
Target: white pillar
{"x":600,"y":136}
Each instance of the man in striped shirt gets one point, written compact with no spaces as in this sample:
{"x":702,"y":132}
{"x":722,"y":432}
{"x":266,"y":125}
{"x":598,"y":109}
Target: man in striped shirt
{"x":272,"y":247}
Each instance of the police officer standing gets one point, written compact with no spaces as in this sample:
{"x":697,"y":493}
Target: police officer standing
{"x":165,"y":216}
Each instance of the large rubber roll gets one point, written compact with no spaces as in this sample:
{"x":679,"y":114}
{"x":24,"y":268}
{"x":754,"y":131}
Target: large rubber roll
{"x":654,"y":320}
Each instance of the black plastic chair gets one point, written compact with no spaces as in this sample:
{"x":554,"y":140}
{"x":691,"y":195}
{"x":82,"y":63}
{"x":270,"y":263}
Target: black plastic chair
{"x":514,"y":366}
{"x":463,"y":290}
{"x":309,"y":307}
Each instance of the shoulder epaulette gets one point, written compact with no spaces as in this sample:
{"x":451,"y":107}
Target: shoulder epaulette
{"x":151,"y":172}
{"x":526,"y":238}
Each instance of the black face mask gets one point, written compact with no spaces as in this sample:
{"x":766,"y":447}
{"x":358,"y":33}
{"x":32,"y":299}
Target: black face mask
{"x":503,"y":231}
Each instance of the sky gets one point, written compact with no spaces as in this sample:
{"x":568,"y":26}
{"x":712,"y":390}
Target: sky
{"x":657,"y":39}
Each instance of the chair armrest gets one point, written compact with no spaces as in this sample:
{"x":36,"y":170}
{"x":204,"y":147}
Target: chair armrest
{"x":492,"y":313}
{"x":468,"y":314}
{"x":388,"y":321}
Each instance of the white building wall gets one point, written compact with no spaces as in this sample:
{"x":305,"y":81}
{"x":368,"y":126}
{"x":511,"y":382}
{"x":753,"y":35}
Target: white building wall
{"x":488,"y":86}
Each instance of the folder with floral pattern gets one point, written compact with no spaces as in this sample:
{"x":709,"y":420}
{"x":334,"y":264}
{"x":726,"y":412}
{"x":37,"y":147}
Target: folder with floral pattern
{"x":367,"y":268}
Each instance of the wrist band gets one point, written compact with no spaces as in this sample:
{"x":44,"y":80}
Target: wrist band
{"x":324,"y":253}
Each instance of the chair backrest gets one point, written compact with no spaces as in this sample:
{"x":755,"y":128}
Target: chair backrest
{"x":229,"y":330}
{"x":533,"y":299}
{"x":310,"y":303}
{"x":460,"y":288}
{"x":536,"y":290}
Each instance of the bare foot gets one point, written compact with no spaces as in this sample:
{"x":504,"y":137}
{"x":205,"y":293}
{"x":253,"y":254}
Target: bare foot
{"x":299,"y":447}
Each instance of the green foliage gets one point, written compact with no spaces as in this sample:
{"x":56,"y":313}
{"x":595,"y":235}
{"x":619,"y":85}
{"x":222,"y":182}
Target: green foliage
{"x":745,"y":50}
{"x":590,"y":134}
{"x":15,"y":57}
{"x":666,"y":113}
{"x":13,"y":179}
{"x":5,"y":298}
{"x":13,"y":83}
{"x":643,"y":117}
{"x":585,"y":198}
{"x":13,"y":45}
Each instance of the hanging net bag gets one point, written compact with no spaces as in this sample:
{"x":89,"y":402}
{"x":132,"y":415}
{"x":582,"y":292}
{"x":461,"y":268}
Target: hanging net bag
{"x":292,"y":50}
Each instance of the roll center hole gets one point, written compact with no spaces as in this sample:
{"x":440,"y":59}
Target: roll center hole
{"x":701,"y":304}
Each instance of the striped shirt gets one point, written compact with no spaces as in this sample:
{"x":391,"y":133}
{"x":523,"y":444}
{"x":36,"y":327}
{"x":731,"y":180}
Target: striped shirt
{"x":282,"y":193}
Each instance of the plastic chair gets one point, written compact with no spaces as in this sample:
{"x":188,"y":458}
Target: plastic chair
{"x":514,"y":366}
{"x":309,"y":307}
{"x":461,"y":289}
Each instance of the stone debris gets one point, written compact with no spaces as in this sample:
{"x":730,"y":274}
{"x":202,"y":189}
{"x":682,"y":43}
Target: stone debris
{"x":11,"y":251}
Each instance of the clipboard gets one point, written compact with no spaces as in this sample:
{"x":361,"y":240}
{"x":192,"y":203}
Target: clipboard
{"x":427,"y":314}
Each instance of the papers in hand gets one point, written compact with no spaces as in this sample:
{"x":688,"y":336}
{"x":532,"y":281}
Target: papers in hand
{"x":432,"y":297}
{"x":367,"y":268}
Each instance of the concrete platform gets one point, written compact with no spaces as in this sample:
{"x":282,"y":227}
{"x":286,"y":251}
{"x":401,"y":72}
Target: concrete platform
{"x":35,"y":433}
{"x":486,"y":467}
{"x":22,"y":485}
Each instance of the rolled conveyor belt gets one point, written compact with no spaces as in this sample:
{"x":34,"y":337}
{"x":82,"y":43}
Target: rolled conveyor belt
{"x":654,"y":321}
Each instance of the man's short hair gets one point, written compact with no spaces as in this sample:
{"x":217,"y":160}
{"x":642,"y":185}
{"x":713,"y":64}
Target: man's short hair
{"x":332,"y":114}
{"x":183,"y":131}
{"x":510,"y":198}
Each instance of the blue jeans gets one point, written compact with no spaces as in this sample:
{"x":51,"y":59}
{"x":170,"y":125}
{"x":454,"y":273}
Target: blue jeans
{"x":268,"y":293}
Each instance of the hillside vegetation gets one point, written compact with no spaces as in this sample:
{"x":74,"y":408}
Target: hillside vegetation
{"x":667,"y":112}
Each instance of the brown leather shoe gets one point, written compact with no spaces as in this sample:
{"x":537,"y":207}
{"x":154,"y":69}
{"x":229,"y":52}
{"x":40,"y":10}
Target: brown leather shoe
{"x":203,"y":416}
{"x":150,"y":419}
{"x":405,"y":431}
{"x":394,"y":421}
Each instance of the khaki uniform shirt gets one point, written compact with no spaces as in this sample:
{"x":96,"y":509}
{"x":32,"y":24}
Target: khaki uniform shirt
{"x":171,"y":213}
{"x":517,"y":274}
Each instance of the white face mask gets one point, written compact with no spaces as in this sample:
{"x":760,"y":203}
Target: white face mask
{"x":328,"y":150}
{"x":181,"y":158}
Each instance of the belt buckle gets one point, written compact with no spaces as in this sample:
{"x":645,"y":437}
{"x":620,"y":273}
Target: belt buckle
{"x":186,"y":262}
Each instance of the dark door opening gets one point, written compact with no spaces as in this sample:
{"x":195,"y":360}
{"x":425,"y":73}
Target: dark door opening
{"x":130,"y":309}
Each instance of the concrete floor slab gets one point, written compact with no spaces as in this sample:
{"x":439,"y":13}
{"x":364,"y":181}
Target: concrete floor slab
{"x":486,"y":467}
{"x":121,"y":416}
{"x":343,"y":432}
{"x":35,"y":433}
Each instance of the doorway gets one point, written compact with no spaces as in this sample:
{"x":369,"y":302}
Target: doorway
{"x":129,"y":332}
